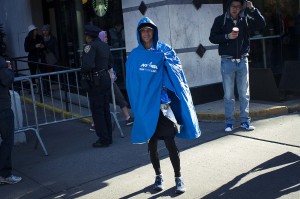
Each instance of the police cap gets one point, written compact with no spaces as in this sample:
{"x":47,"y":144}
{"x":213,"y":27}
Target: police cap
{"x":91,"y":30}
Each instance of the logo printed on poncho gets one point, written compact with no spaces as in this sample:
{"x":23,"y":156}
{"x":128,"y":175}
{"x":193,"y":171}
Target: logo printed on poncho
{"x":149,"y":68}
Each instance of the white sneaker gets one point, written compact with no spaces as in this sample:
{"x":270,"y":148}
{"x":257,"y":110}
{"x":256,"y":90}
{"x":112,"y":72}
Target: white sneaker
{"x":229,"y":128}
{"x":10,"y":179}
{"x":92,"y":127}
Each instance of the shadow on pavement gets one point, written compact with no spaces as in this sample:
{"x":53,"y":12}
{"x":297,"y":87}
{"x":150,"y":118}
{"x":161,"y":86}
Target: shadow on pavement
{"x":73,"y":168}
{"x":276,"y":177}
{"x":165,"y":193}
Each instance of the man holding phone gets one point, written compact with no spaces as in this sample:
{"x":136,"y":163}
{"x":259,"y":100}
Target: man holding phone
{"x":230,"y":31}
{"x":6,"y":124}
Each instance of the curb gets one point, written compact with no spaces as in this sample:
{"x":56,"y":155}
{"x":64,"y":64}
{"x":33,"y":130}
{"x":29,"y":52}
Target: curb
{"x":294,"y":108}
{"x":269,"y":112}
{"x":207,"y":117}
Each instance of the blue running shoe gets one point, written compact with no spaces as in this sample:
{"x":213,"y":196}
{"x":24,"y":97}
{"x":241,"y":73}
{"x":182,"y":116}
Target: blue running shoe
{"x":158,"y":184}
{"x":247,"y":126}
{"x":180,"y":186}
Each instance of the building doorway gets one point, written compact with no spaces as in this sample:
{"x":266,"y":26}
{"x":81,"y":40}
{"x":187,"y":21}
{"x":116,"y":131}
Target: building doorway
{"x":108,"y":16}
{"x":61,"y":15}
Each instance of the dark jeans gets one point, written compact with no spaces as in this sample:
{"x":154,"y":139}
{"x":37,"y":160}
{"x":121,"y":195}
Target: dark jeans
{"x":99,"y":104}
{"x":170,"y":145}
{"x":7,"y":135}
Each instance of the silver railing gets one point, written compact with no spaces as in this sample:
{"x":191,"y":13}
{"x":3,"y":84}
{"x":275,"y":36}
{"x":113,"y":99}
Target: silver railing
{"x":52,"y":98}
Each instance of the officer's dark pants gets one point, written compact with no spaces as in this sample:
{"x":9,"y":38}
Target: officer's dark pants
{"x":99,"y":103}
{"x":7,"y":135}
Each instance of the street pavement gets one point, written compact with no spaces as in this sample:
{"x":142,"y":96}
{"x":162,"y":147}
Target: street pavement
{"x":264,"y":163}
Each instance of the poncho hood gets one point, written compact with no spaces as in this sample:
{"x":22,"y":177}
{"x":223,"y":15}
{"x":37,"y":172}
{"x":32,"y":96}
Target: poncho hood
{"x":146,"y":21}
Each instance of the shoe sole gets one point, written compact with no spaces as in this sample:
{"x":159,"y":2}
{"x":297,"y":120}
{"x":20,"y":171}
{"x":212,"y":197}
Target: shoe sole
{"x":179,"y":191}
{"x":9,"y":182}
{"x":246,"y":128}
{"x":228,"y":130}
{"x":100,"y":146}
{"x":128,"y":124}
{"x":158,"y":188}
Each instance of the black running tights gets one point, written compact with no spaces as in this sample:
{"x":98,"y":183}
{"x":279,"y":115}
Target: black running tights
{"x":173,"y":153}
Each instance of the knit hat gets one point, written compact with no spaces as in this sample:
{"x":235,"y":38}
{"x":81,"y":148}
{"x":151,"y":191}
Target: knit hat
{"x":31,"y":28}
{"x":102,"y":35}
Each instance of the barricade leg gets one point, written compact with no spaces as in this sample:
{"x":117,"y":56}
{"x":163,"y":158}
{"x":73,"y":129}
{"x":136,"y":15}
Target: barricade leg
{"x":114,"y":114}
{"x":40,"y":141}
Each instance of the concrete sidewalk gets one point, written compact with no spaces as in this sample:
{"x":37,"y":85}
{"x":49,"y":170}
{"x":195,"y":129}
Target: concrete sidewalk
{"x":214,"y":111}
{"x":264,"y":163}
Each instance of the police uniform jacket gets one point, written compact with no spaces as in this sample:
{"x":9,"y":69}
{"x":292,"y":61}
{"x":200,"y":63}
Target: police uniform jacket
{"x":96,"y":56}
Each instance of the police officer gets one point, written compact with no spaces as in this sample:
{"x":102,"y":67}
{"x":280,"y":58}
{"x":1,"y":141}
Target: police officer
{"x":96,"y":60}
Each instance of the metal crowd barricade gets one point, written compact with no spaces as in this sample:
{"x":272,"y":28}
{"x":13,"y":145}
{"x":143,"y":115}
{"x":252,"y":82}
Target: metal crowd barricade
{"x":30,"y":124}
{"x":114,"y":112}
{"x":60,"y":100}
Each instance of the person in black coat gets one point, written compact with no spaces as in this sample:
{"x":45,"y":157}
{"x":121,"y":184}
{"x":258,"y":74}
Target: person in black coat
{"x":6,"y":124}
{"x":35,"y":46}
{"x":51,"y":45}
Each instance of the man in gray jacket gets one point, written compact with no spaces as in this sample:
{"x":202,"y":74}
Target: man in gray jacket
{"x":6,"y":124}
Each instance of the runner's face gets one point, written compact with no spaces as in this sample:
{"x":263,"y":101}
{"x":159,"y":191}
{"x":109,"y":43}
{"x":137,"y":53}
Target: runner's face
{"x":146,"y":35}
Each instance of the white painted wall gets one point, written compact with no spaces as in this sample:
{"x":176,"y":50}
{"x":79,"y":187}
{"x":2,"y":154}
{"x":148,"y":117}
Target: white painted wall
{"x":181,"y":26}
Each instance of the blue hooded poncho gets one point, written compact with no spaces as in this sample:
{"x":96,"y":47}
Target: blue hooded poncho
{"x":147,"y":71}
